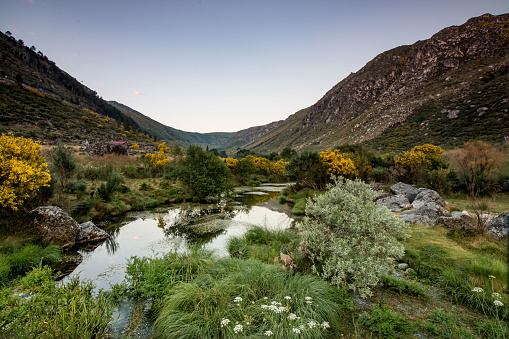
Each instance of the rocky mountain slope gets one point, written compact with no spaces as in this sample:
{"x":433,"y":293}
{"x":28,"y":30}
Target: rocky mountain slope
{"x":446,"y":90}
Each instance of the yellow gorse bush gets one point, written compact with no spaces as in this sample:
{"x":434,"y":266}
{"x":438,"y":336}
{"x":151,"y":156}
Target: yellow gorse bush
{"x":339,"y":163}
{"x":268,"y":166}
{"x":425,"y":155}
{"x":134,"y":146}
{"x":159,"y":159}
{"x":22,"y":170}
{"x":231,"y":162}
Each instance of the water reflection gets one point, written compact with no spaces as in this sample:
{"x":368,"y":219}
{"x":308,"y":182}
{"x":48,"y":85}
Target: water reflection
{"x":153,"y":233}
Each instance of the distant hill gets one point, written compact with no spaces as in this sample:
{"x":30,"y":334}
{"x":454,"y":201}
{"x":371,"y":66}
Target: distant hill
{"x":211,"y":140}
{"x":444,"y":90}
{"x":41,"y":101}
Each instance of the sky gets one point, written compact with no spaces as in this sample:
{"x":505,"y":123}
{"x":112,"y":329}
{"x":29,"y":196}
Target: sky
{"x":224,"y":65}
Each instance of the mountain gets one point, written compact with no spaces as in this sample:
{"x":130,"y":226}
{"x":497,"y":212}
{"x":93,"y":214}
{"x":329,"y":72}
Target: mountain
{"x":211,"y":140}
{"x":444,"y":90}
{"x":41,"y":101}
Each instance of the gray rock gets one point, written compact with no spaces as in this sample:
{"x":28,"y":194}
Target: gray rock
{"x":427,"y":196}
{"x":408,"y":271}
{"x":89,"y":233}
{"x":413,"y":218}
{"x":454,"y":223}
{"x":453,"y":114}
{"x":54,"y":226}
{"x":409,"y":191}
{"x":394,"y":202}
{"x":403,"y":266}
{"x":498,"y":228}
{"x":426,"y":214}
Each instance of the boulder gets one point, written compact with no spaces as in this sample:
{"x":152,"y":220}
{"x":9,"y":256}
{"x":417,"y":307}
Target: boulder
{"x":89,"y":234}
{"x":395,"y":203}
{"x":454,"y":222}
{"x":499,"y":226}
{"x":409,"y":191}
{"x":427,"y":196}
{"x":429,"y":212}
{"x":54,"y":226}
{"x":415,"y":218}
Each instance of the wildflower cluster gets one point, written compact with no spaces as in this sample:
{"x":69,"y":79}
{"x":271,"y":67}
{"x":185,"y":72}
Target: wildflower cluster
{"x":231,"y":162}
{"x":159,"y":159}
{"x":286,"y":316}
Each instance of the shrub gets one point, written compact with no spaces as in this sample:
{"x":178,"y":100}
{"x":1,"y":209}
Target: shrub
{"x":204,"y":174}
{"x":308,"y":170}
{"x":134,"y":146}
{"x":339,"y":163}
{"x":22,"y":170}
{"x":105,"y":191}
{"x":63,"y":163}
{"x":348,"y":237}
{"x":476,"y":164}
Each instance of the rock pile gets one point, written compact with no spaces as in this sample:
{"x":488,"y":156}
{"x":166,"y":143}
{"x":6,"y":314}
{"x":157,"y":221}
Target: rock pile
{"x":427,"y":207}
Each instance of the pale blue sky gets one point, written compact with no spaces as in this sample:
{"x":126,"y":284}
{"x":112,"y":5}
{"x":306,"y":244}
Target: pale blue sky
{"x":224,"y":65}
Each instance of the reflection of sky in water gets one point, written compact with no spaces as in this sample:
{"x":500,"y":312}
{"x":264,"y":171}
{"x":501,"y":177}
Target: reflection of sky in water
{"x":144,"y":237}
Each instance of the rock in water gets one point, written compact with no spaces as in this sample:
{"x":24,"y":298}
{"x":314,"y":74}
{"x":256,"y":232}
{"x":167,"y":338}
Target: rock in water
{"x":89,"y":233}
{"x":54,"y":226}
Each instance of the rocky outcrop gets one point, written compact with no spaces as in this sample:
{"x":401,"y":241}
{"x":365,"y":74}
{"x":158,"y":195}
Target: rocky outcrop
{"x":409,"y":191}
{"x":90,"y":234}
{"x":427,"y":196}
{"x":457,"y":220}
{"x":432,"y":211}
{"x":499,"y":226}
{"x":395,"y":203}
{"x":53,"y":226}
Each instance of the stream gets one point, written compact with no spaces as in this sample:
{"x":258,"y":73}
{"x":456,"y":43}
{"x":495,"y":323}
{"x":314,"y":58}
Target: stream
{"x":174,"y":228}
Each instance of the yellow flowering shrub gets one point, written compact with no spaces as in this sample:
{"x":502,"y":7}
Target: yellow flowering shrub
{"x":157,"y":160}
{"x":134,"y":146}
{"x":22,"y":170}
{"x":162,"y":147}
{"x":85,"y":118}
{"x":425,"y":155}
{"x":231,"y":162}
{"x":410,"y":159}
{"x":100,"y":126}
{"x":267,"y":166}
{"x":339,"y":163}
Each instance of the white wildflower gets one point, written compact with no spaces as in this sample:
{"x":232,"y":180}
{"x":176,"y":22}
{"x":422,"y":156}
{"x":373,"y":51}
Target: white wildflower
{"x":275,"y":303}
{"x":268,"y":333}
{"x":292,"y":316}
{"x":266,"y":298}
{"x":495,"y":295}
{"x":225,"y":322}
{"x":309,"y":302}
{"x":265,"y":306}
{"x":238,"y":328}
{"x":477,"y":290}
{"x":498,"y":303}
{"x":325,"y":325}
{"x":296,"y":330}
{"x":308,"y":298}
{"x":312,"y":324}
{"x":288,"y":297}
{"x":237,"y":299}
{"x":492,"y":277}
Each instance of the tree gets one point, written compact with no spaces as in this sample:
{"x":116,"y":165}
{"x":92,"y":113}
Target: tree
{"x":8,"y":33}
{"x":204,"y":174}
{"x":348,"y":237}
{"x":22,"y":170}
{"x":308,"y":170}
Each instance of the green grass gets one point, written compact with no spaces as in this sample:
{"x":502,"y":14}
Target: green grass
{"x":263,"y":244}
{"x":402,"y":286}
{"x":497,"y":203}
{"x":387,"y":323}
{"x":46,"y":309}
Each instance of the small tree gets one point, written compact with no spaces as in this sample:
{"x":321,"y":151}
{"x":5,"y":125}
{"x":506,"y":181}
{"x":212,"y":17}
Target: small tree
{"x":64,"y":164}
{"x":348,"y":237}
{"x":204,"y":173}
{"x":22,"y":170}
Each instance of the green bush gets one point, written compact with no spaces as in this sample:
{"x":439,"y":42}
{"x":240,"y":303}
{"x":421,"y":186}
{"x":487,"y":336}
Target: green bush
{"x":105,"y":191}
{"x":348,"y":237}
{"x":402,"y":286}
{"x":204,"y":174}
